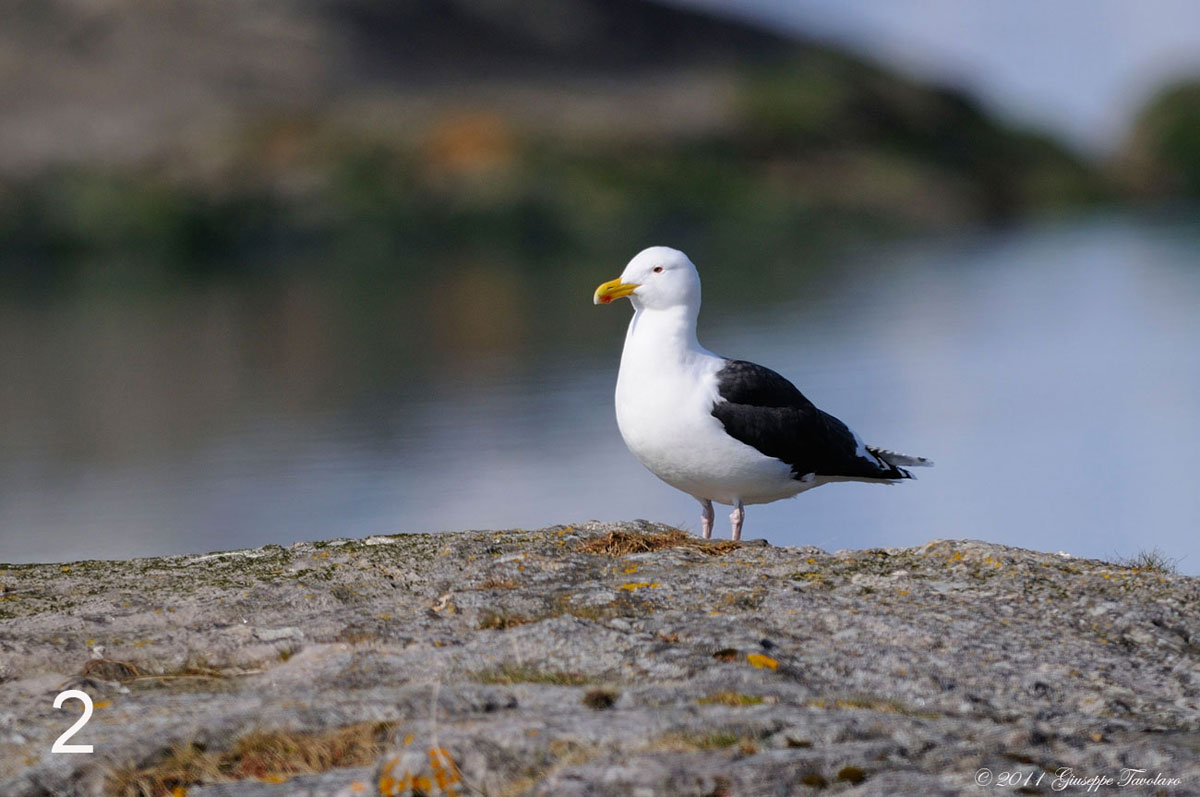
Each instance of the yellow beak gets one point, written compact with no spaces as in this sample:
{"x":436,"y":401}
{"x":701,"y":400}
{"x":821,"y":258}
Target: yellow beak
{"x":613,"y":289}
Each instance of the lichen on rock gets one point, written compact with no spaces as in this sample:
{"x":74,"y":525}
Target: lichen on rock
{"x":594,"y":659}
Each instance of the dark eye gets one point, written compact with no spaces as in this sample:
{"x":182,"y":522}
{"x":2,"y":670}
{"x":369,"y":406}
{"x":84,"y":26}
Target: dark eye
{"x":658,"y":269}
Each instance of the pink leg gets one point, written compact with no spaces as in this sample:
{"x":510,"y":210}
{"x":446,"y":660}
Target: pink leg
{"x":735,"y":518}
{"x":706,"y":519}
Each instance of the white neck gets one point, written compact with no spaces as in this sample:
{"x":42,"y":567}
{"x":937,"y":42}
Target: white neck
{"x":671,"y":328}
{"x":660,"y":338}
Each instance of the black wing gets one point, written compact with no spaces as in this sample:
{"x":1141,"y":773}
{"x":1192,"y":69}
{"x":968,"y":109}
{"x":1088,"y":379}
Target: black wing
{"x":764,"y":410}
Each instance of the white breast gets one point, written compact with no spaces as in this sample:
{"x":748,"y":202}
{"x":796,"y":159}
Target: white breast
{"x":664,"y":402}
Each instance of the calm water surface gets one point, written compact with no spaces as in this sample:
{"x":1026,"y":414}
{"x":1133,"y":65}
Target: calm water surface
{"x":1052,"y":372}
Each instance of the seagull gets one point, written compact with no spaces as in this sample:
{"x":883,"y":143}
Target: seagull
{"x":720,"y":430}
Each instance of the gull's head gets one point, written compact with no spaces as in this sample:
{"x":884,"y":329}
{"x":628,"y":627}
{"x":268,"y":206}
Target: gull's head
{"x":656,"y":278}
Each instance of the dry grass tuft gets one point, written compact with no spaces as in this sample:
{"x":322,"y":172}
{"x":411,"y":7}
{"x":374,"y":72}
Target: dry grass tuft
{"x":498,"y":583}
{"x":622,"y":543}
{"x":495,"y":621}
{"x":731,"y":699}
{"x":185,"y":675}
{"x":358,"y":633}
{"x":273,"y":756}
{"x":1152,"y":561}
{"x":712,"y":740}
{"x":110,"y":670}
{"x":527,"y":674}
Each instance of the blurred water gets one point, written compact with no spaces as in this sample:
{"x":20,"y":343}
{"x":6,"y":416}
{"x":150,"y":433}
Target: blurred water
{"x":1051,"y":372}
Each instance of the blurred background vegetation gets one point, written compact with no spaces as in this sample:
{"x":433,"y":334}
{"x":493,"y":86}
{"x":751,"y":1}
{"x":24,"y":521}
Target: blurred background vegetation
{"x":147,"y":145}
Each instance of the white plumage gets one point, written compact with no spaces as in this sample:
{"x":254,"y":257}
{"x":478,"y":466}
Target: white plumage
{"x":720,"y":430}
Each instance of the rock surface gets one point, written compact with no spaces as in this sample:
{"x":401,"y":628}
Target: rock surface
{"x":543,"y":662}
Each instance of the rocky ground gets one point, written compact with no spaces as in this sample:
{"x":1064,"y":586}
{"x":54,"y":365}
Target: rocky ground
{"x":597,"y":660}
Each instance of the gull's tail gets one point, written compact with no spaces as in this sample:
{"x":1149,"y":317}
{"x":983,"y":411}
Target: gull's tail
{"x":897,"y":460}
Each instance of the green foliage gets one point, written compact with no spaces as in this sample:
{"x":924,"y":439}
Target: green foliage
{"x":819,"y":149}
{"x":1163,"y":154}
{"x":808,"y":102}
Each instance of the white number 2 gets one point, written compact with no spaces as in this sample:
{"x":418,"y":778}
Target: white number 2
{"x":82,"y":697}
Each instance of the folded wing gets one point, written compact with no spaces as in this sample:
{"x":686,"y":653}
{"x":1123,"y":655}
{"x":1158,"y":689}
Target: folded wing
{"x":762,"y":409}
